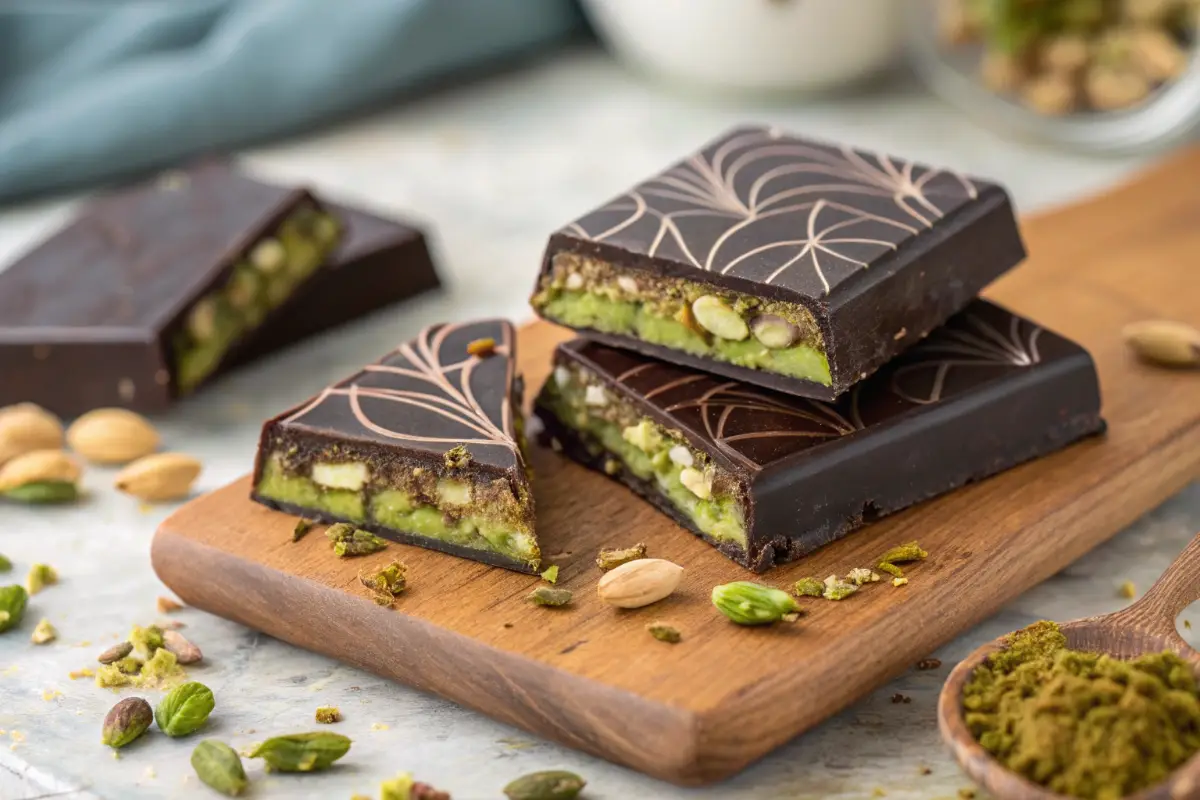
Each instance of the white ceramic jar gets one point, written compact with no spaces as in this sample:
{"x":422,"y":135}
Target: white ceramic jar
{"x":753,"y":45}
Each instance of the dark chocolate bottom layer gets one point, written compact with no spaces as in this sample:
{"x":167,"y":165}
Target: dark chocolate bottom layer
{"x":489,"y":557}
{"x":762,"y":555}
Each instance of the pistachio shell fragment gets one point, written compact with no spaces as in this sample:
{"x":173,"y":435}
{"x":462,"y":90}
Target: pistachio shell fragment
{"x":112,"y":436}
{"x":715,"y":316}
{"x":160,"y":477}
{"x":1173,"y":344}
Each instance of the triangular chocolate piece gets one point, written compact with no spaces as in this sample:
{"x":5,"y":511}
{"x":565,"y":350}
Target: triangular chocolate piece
{"x":424,"y":446}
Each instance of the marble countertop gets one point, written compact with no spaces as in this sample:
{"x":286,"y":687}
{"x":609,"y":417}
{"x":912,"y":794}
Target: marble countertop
{"x":491,"y":167}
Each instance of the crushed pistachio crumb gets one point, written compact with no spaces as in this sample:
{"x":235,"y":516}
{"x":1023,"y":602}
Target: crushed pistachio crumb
{"x":51,"y":694}
{"x":40,"y":576}
{"x":76,"y":674}
{"x":898,"y":582}
{"x":43,"y":633}
{"x":546,"y":596}
{"x":303,"y":526}
{"x":457,"y":457}
{"x":481,"y":348}
{"x":1187,"y":623}
{"x":1127,"y":590}
{"x":860,"y":575}
{"x":550,"y":574}
{"x":349,"y":541}
{"x":901,"y":554}
{"x":966,"y":794}
{"x":890,"y":569}
{"x":145,"y":640}
{"x":327,"y":715}
{"x":612,"y":558}
{"x":837,"y":589}
{"x":664,"y":632}
{"x":388,"y":583}
{"x":808,"y":587}
{"x":380,"y":726}
{"x":161,"y":670}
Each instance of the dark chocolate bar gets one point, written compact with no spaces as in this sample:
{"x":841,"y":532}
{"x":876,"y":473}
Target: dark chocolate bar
{"x":767,"y":477}
{"x":425,"y":446}
{"x":780,"y":261}
{"x":379,"y":263}
{"x":148,"y":291}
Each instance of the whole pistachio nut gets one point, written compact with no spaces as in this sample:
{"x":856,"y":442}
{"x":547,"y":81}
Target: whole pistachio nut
{"x":185,"y":652}
{"x":748,"y":603}
{"x":112,"y":436}
{"x":126,"y":721}
{"x":115,"y":653}
{"x":39,"y":466}
{"x":160,"y":477}
{"x":774,"y":332}
{"x":639,"y":583}
{"x":553,"y":784}
{"x":715,"y":316}
{"x":202,"y":319}
{"x":302,"y":752}
{"x":185,"y":709}
{"x":268,"y":255}
{"x":219,"y":767}
{"x":25,"y":427}
{"x":1164,"y":342}
{"x":12,"y":606}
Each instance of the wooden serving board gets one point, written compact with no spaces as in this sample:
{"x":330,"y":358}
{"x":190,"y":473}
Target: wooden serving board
{"x":591,"y":677}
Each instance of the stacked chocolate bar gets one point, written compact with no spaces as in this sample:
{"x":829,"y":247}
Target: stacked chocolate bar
{"x":152,"y":292}
{"x":761,"y":359}
{"x":781,"y":341}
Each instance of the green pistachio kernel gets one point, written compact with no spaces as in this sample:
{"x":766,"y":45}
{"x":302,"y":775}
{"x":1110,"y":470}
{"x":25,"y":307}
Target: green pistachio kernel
{"x":549,"y":785}
{"x":748,"y":603}
{"x":12,"y":606}
{"x":219,"y":767}
{"x":302,"y":752}
{"x":43,"y":492}
{"x":185,"y":709}
{"x":126,"y":721}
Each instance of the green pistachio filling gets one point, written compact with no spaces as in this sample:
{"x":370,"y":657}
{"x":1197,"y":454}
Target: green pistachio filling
{"x":699,"y":319}
{"x":478,"y":516}
{"x":263,"y":278}
{"x":700,"y":490}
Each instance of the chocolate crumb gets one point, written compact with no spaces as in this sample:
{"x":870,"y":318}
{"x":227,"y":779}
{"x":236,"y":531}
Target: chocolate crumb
{"x":901,"y":698}
{"x":929,"y":663}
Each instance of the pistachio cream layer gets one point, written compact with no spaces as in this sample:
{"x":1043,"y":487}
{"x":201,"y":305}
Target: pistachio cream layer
{"x":662,"y":459}
{"x":450,"y":506}
{"x":699,"y":319}
{"x":263,"y":278}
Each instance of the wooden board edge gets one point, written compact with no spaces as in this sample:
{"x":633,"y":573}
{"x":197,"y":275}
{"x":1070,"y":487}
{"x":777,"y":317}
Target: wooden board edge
{"x":577,"y":712}
{"x":1102,"y":511}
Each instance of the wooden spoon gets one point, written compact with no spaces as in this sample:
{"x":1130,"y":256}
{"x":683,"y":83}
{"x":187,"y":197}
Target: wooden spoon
{"x":1147,"y":626}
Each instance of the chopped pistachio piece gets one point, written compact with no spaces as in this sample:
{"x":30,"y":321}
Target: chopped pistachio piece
{"x":43,"y":492}
{"x":664,"y":632}
{"x":890,"y":569}
{"x":899,"y":582}
{"x":611,"y":559}
{"x":386,"y":584}
{"x":303,"y":526}
{"x":837,"y":589}
{"x":327,"y":715}
{"x":1127,"y":590}
{"x":808,"y":587}
{"x":349,"y":541}
{"x":44,"y":633}
{"x":40,"y":576}
{"x":860,"y":575}
{"x":457,"y":457}
{"x":550,"y":574}
{"x":903,"y":553}
{"x":546,"y":596}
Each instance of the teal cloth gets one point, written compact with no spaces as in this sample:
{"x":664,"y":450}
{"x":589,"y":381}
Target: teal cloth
{"x":95,"y":89}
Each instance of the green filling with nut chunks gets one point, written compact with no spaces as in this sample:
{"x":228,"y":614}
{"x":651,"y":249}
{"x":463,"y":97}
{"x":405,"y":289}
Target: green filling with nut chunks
{"x":651,"y":453}
{"x":772,"y":336}
{"x":266,"y":275}
{"x":397,"y":510}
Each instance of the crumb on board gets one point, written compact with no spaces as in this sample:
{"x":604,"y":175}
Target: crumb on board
{"x":166,"y":605}
{"x":76,"y":674}
{"x":380,"y":726}
{"x":1127,"y":590}
{"x":929,"y":663}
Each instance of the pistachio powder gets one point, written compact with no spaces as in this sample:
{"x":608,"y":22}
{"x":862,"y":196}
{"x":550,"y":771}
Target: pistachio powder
{"x":1083,"y":724}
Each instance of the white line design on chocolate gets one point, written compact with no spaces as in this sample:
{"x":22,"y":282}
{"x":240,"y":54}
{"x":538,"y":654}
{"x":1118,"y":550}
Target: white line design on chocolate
{"x":727,"y":399}
{"x":709,"y":187}
{"x":449,"y":396}
{"x":970,"y":343}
